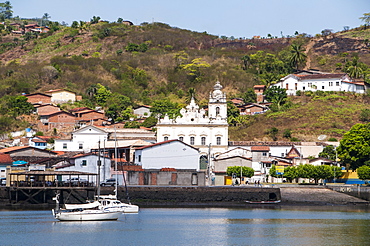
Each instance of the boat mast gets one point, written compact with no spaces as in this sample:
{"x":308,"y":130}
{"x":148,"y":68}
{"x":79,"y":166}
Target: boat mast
{"x":115,"y":161}
{"x":99,"y":164}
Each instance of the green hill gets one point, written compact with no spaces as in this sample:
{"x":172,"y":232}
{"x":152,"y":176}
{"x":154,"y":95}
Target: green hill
{"x":156,"y":61}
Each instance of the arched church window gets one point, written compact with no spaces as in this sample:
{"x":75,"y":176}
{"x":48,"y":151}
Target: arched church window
{"x":165,"y":139}
{"x":192,"y":140}
{"x":217,"y":110}
{"x":203,"y":140}
{"x":218,"y":140}
{"x":181,"y":139}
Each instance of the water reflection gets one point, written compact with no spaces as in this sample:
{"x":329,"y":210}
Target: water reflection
{"x":193,"y":227}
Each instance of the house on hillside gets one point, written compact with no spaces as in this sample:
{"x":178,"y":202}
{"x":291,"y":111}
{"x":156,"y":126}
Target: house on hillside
{"x":59,"y":96}
{"x":59,"y":119}
{"x":259,"y":90}
{"x":252,"y":109}
{"x":38,"y":98}
{"x":46,"y":109}
{"x":316,"y":81}
{"x":142,"y":111}
{"x":41,"y":142}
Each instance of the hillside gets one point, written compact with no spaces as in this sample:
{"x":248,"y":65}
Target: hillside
{"x":156,"y":61}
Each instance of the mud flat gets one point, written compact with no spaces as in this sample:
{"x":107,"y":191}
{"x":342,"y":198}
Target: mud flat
{"x":317,"y":196}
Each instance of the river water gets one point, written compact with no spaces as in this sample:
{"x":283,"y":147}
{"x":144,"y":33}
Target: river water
{"x":194,"y":226}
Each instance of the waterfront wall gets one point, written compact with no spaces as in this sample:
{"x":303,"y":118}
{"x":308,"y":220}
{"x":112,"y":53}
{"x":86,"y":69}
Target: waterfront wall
{"x":156,"y":195}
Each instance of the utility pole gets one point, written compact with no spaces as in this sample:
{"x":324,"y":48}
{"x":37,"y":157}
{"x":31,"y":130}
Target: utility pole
{"x":209,"y":165}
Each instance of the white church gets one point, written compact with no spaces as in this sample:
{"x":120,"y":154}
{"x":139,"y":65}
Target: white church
{"x":207,"y":132}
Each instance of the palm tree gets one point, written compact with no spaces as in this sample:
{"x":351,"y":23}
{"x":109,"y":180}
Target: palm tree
{"x":366,"y":19}
{"x":190,"y":95}
{"x":354,"y":69}
{"x":297,"y":55}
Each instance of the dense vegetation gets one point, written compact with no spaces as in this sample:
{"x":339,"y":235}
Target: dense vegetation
{"x":119,"y":66}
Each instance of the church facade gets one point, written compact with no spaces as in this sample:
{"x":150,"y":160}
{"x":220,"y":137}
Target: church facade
{"x":206,"y":131}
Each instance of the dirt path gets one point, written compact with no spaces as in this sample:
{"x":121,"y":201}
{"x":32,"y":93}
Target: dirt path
{"x":308,"y":48}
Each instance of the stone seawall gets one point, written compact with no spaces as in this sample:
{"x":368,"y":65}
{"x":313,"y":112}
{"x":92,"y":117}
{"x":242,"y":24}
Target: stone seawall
{"x":227,"y":196}
{"x":158,"y":195}
{"x":199,"y":195}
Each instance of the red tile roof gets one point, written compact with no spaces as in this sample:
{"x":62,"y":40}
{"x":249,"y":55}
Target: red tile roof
{"x":5,"y":159}
{"x":260,"y":148}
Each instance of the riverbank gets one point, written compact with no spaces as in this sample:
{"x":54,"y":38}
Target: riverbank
{"x":223,"y":196}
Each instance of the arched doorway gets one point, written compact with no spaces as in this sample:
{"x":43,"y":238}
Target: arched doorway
{"x":203,"y":162}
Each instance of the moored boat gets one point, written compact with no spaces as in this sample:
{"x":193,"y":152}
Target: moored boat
{"x":85,"y":215}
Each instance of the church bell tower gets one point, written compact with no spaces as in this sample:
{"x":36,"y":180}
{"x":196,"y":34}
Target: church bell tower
{"x":217,"y":105}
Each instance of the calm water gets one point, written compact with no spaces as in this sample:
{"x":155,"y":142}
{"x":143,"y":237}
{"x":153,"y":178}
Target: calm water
{"x":181,"y":226}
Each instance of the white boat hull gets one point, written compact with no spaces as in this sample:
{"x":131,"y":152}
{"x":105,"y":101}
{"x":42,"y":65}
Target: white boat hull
{"x":85,"y":215}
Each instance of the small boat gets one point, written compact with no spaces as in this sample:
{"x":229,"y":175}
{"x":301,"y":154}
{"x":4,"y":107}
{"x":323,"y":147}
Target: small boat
{"x":85,"y":215}
{"x":263,"y":202}
{"x":83,"y":212}
{"x":111,"y":203}
{"x":107,"y":203}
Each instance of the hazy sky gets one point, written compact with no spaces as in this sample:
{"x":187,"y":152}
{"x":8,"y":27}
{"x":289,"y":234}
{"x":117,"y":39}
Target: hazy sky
{"x":238,"y":18}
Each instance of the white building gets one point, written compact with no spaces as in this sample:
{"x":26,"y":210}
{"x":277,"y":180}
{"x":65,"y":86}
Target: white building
{"x":208,"y":133}
{"x":316,"y":81}
{"x":87,"y":163}
{"x":168,"y":154}
{"x":83,"y":139}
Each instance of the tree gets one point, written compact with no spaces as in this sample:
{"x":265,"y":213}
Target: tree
{"x":195,"y":69}
{"x":232,"y":113}
{"x":276,"y":95}
{"x":102,"y":94}
{"x":366,"y":19}
{"x":365,"y":115}
{"x":328,"y":152}
{"x":119,"y":107}
{"x":191,"y":94}
{"x":246,"y":171}
{"x":15,"y":106}
{"x":45,"y":19}
{"x":250,"y":96}
{"x":297,"y":55}
{"x":246,"y":61}
{"x":290,"y":173}
{"x":119,"y":20}
{"x":355,"y":69}
{"x":363,"y":172}
{"x":354,"y":148}
{"x":95,"y":19}
{"x":164,"y":106}
{"x":272,"y":132}
{"x":6,"y":10}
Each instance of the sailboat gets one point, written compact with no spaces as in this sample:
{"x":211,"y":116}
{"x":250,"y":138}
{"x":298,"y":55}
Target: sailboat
{"x":83,"y":212}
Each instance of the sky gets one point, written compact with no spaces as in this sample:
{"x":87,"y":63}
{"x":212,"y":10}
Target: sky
{"x":237,"y":18}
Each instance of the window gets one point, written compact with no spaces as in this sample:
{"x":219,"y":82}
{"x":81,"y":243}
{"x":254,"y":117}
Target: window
{"x":84,"y":162}
{"x":217,"y":110}
{"x":282,"y":154}
{"x":323,"y":87}
{"x":203,"y":140}
{"x":192,"y":140}
{"x":287,"y":86}
{"x":264,"y":153}
{"x":139,"y":158}
{"x":218,"y":140}
{"x":330,"y":83}
{"x":64,"y":146}
{"x":165,"y":138}
{"x":337,"y":83}
{"x":296,"y":86}
{"x":181,"y":139}
{"x":80,"y":146}
{"x":304,"y":88}
{"x":309,"y":84}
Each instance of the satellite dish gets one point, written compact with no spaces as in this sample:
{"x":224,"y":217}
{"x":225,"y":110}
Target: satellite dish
{"x":321,"y":137}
